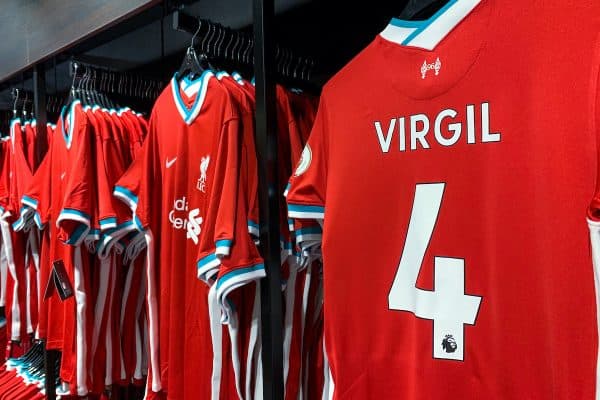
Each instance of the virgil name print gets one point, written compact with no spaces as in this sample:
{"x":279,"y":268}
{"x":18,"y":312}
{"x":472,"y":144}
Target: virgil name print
{"x":446,"y":129}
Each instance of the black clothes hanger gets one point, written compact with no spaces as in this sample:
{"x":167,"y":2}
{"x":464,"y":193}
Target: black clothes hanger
{"x":421,"y":9}
{"x":15,"y":104}
{"x":73,"y":92}
{"x":193,"y":65}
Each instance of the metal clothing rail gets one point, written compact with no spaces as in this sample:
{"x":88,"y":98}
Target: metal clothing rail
{"x":105,"y":79}
{"x":221,"y":42}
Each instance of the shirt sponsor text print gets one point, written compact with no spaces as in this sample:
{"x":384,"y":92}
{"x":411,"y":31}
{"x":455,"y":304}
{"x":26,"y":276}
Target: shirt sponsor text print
{"x":201,"y":185}
{"x":436,"y":66}
{"x":190,"y":221}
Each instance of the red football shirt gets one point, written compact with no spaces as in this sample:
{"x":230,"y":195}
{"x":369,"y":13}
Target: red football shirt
{"x":61,"y":193}
{"x":183,"y":189}
{"x":453,"y":161}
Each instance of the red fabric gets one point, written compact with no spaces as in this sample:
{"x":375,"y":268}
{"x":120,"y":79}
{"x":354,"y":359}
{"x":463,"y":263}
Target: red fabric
{"x":171,"y":185}
{"x":512,"y":210}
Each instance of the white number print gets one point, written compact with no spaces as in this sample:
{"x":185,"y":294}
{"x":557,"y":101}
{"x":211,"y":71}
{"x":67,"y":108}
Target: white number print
{"x":447,"y":305}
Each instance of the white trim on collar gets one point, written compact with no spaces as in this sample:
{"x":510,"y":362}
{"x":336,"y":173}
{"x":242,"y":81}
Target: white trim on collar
{"x":429,"y":33}
{"x":202,"y":86}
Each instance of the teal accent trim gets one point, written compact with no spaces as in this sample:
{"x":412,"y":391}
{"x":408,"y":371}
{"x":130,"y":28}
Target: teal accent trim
{"x":77,"y":234}
{"x":70,"y":211}
{"x":303,"y":208}
{"x":426,"y":23}
{"x":17,"y":224}
{"x":94,"y":233}
{"x":127,"y":193}
{"x":238,"y":272}
{"x":223,"y":243}
{"x":179,"y":99}
{"x":205,"y":260}
{"x":402,"y":23}
{"x":30,"y":201}
{"x":309,"y":230}
{"x":138,"y":223}
{"x":68,"y":136}
{"x":108,"y":221}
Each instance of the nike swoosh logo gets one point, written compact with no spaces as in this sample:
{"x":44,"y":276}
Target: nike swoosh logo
{"x":62,"y":176}
{"x":171,"y":162}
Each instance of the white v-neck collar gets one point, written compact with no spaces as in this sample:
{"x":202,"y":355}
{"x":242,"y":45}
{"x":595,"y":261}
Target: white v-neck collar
{"x":70,"y":119}
{"x":199,"y":86}
{"x":427,"y":34}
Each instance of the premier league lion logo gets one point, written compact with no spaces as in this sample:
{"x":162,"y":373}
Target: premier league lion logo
{"x":449,"y":344}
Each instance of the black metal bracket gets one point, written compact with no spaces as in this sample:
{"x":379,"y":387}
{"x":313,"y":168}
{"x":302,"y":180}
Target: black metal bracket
{"x":39,"y":104}
{"x":266,"y":146}
{"x":184,"y":22}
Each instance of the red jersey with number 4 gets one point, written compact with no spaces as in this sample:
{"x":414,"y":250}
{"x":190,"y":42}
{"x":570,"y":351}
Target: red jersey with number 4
{"x":453,"y":161}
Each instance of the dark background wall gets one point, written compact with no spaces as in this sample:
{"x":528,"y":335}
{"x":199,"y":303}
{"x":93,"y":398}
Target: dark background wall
{"x":136,"y":35}
{"x":35,"y":29}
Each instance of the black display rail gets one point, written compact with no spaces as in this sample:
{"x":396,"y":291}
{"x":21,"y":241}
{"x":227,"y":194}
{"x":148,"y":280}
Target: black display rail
{"x":266,"y":143}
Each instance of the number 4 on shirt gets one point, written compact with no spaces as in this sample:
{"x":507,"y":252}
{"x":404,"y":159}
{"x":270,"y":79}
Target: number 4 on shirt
{"x":447,"y":305}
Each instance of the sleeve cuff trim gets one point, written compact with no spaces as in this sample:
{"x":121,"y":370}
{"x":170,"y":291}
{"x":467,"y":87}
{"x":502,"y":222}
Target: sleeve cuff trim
{"x":305,"y":212}
{"x":234,"y":279}
{"x":108,"y":223}
{"x":207,"y":266}
{"x":30,"y":202}
{"x":74,"y":215}
{"x":126,"y":195}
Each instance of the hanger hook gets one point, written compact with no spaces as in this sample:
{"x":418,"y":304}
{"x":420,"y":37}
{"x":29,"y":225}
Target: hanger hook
{"x":15,"y":104}
{"x":75,"y":67}
{"x":196,"y":34}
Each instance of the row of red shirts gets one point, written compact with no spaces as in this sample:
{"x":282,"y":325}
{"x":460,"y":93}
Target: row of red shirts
{"x":193,"y":193}
{"x":190,"y":198}
{"x":99,"y":345}
{"x":20,"y":155}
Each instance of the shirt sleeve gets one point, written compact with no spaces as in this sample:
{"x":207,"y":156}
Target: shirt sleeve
{"x":250,"y":180}
{"x":35,"y":202}
{"x":79,"y":201}
{"x":5,"y":176}
{"x":112,"y":159}
{"x":139,"y":185}
{"x":594,"y":209}
{"x":227,"y":174}
{"x":218,"y":228}
{"x":242,"y":267}
{"x":243,"y":264}
{"x":136,"y":134}
{"x":307,"y":187}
